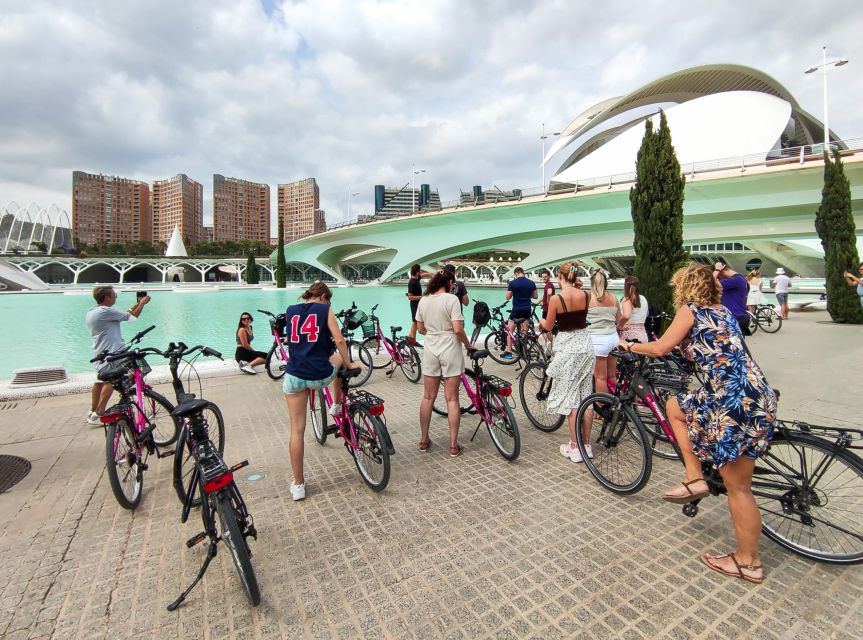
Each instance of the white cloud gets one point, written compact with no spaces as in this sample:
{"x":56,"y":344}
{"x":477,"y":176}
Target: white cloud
{"x":354,"y":93}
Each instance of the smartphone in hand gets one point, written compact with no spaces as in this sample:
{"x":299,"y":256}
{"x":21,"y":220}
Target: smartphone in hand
{"x":140,"y":294}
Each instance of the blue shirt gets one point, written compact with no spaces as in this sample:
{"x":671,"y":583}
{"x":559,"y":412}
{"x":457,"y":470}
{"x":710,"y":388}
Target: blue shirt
{"x":309,"y":341}
{"x":734,"y":290}
{"x":522,"y":290}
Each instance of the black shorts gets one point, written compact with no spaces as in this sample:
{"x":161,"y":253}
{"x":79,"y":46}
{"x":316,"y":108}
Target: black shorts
{"x":519,"y":315}
{"x":414,"y":305}
{"x":248,"y":355}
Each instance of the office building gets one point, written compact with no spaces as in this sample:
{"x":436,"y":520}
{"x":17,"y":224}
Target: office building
{"x":241,"y":209}
{"x":299,"y":209}
{"x":110,"y":209}
{"x":392,"y":201}
{"x":178,"y":202}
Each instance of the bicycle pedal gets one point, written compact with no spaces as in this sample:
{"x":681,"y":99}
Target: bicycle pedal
{"x":165,"y":454}
{"x":191,"y":542}
{"x":142,"y":466}
{"x":332,"y":429}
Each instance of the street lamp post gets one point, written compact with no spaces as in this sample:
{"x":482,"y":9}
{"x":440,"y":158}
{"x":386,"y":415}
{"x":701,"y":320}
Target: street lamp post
{"x":543,"y":137}
{"x":823,"y":66}
{"x":351,"y":194}
{"x":414,"y":171}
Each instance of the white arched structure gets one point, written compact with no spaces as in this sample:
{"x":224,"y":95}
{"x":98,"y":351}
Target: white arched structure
{"x":21,"y":228}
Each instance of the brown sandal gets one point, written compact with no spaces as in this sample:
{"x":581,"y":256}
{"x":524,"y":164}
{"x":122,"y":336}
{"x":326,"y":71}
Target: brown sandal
{"x":706,"y":559}
{"x":686,"y":499}
{"x":455,"y":451}
{"x":425,"y":444}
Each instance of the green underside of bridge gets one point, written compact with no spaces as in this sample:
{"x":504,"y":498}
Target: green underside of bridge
{"x":770,"y":205}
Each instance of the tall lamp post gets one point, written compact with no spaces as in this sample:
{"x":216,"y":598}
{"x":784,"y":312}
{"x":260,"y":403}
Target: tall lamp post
{"x":824,"y":66}
{"x":414,"y":173}
{"x":351,"y":194}
{"x":543,"y":138}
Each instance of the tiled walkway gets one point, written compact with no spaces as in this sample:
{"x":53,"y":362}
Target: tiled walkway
{"x":473,"y":547}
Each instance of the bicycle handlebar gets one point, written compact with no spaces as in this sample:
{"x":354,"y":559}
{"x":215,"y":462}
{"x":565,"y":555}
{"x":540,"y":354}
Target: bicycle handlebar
{"x":266,"y":313}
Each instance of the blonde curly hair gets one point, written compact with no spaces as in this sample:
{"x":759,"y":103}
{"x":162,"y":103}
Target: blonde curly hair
{"x":695,"y":283}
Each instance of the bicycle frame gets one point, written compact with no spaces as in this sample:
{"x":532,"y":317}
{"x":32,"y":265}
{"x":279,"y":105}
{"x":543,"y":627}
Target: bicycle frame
{"x":343,"y":421}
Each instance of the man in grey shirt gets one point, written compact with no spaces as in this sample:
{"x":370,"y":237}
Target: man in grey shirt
{"x":103,"y":321}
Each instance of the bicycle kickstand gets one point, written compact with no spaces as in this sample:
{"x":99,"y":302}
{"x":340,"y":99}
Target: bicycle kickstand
{"x":475,"y":431}
{"x":211,"y":553}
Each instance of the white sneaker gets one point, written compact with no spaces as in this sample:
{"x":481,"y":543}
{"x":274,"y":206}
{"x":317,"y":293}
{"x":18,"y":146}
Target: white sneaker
{"x":298,"y":491}
{"x":246,"y":368}
{"x":93,"y":419}
{"x":336,"y":410}
{"x":573,"y":453}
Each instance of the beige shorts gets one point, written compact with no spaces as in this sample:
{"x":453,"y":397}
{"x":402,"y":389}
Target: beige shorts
{"x":448,"y":363}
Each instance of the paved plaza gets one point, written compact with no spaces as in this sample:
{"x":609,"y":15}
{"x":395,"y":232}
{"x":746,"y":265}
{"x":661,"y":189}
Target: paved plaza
{"x":472,"y":547}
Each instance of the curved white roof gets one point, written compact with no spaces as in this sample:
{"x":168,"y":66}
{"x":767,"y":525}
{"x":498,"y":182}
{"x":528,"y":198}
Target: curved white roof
{"x":694,"y":83}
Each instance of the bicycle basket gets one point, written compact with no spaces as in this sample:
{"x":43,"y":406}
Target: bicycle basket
{"x":369,"y":330}
{"x":672,"y":380}
{"x":356,"y":320}
{"x":131,"y":363}
{"x":279,"y":324}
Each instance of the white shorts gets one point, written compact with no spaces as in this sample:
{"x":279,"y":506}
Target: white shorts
{"x":603,"y":343}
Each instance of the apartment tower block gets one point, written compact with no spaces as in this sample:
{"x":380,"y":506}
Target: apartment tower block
{"x":178,"y":202}
{"x":241,"y":209}
{"x":299,"y":209}
{"x":110,"y":209}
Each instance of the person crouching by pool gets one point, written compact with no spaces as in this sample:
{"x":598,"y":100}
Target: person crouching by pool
{"x":728,"y":422}
{"x":312,"y":329}
{"x":440,"y":320}
{"x":245,"y":356}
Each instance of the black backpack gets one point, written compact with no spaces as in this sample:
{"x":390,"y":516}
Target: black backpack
{"x":481,"y":314}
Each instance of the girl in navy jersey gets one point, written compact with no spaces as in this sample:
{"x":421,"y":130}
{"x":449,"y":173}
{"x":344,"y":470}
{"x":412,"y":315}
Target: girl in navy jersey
{"x":312,"y":331}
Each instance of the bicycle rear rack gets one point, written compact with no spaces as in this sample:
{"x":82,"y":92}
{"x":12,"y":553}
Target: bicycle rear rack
{"x":847,"y":437}
{"x":498,"y":384}
{"x":366,"y":398}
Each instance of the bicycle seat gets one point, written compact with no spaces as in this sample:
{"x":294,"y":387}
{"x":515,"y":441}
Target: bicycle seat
{"x":345,"y":374}
{"x":395,"y":329}
{"x":479,"y":353}
{"x":190,"y":407}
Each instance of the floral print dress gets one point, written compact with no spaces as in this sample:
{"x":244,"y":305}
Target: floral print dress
{"x":734,"y":412}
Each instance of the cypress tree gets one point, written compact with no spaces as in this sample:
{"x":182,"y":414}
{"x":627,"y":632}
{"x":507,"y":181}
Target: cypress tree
{"x":835,"y":226}
{"x":281,"y":266}
{"x":251,"y":269}
{"x":657,"y":214}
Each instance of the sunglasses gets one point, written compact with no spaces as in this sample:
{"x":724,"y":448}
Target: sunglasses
{"x":246,"y":318}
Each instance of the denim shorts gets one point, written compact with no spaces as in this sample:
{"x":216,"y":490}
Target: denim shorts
{"x":782,"y":298}
{"x":293,"y":384}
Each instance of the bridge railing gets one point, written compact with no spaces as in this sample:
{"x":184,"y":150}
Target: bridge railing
{"x":791,"y":155}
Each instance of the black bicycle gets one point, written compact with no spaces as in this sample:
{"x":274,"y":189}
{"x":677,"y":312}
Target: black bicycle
{"x":809,"y":485}
{"x":525,"y":345}
{"x":210,"y":483}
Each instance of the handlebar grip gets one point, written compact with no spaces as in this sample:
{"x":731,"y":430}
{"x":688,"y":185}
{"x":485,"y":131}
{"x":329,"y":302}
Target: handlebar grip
{"x":264,"y":312}
{"x":100,"y":357}
{"x":146,"y":331}
{"x":212,"y":352}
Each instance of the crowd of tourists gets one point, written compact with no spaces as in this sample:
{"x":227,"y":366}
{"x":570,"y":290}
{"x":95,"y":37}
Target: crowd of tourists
{"x":728,"y":421}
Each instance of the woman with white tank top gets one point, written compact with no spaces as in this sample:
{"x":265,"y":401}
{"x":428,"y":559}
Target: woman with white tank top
{"x":603,"y":315}
{"x":633,"y":312}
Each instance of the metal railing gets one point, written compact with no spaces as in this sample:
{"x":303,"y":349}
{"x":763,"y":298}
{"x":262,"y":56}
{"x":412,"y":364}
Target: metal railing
{"x":773,"y":157}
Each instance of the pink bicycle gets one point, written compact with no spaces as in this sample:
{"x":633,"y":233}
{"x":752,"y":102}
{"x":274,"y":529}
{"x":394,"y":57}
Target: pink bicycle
{"x":396,"y":351}
{"x":138,"y":425}
{"x":277,"y":357}
{"x":361,"y":425}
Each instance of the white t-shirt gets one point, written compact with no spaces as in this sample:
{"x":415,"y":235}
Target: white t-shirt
{"x":781,"y":284}
{"x":437,"y":312}
{"x":639,"y":314}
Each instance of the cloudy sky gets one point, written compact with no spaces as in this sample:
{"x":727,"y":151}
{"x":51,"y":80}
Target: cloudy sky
{"x":357,"y":92}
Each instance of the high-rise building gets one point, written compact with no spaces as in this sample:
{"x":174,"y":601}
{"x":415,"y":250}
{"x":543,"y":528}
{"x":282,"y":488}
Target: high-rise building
{"x":299,"y":209}
{"x":110,"y":209}
{"x":241,"y":209}
{"x":392,"y":201}
{"x":178,"y":202}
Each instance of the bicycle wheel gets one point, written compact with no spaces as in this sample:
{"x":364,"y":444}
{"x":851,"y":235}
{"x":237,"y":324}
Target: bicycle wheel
{"x":768,"y":319}
{"x":495,"y":343}
{"x":235,"y":541}
{"x":810,"y":493}
{"x":123,"y":463}
{"x":531,"y":351}
{"x":503,"y":428}
{"x":378,"y":352}
{"x":372,"y":459}
{"x":411,"y":365}
{"x":318,"y":415}
{"x":360,"y":354}
{"x":620,"y":459}
{"x":464,"y":402}
{"x":275,"y":364}
{"x":184,"y":462}
{"x":157,"y":410}
{"x":534,"y":387}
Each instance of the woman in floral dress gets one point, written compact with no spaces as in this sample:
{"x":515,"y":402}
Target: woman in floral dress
{"x":728,"y":421}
